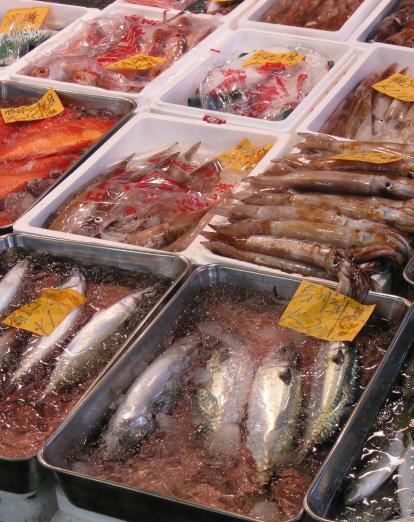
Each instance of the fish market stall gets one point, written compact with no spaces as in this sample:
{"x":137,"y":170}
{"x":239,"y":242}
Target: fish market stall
{"x":68,"y":310}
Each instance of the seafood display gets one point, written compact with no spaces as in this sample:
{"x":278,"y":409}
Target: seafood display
{"x":319,"y":213}
{"x":232,"y":411}
{"x":47,"y":362}
{"x":314,"y":14}
{"x":34,"y":154}
{"x":367,"y":114}
{"x":397,"y":28}
{"x":16,"y":44}
{"x":156,"y":200}
{"x":211,"y":7}
{"x":380,"y":486}
{"x":267,"y":84}
{"x":96,"y":54}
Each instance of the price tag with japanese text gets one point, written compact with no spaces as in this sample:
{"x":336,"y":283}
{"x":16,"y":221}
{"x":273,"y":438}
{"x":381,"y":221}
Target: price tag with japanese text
{"x":24,"y":19}
{"x":138,"y":62}
{"x":48,"y":106}
{"x":262,"y":57}
{"x":397,"y":86}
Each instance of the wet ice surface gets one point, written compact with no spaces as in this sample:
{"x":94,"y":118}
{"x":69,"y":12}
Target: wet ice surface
{"x":180,"y":459}
{"x":25,"y":420}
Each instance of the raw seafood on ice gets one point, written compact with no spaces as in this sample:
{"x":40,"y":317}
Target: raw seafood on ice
{"x":16,"y":44}
{"x":193,"y":6}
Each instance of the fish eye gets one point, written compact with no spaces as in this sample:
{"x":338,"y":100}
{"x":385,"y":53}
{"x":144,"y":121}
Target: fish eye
{"x":98,"y":219}
{"x":388,"y":185}
{"x":335,"y":263}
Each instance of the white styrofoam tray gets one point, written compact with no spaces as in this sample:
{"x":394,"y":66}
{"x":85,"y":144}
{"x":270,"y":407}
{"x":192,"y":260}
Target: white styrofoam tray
{"x":120,"y":9}
{"x":143,"y":133}
{"x":376,"y":58}
{"x":60,"y":17}
{"x":172,"y":99}
{"x":252,"y":19}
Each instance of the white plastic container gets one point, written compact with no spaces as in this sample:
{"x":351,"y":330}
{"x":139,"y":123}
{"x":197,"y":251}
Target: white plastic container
{"x":60,"y":17}
{"x":145,"y":132}
{"x":376,"y":58}
{"x":173,"y":97}
{"x":252,"y":19}
{"x":121,"y":9}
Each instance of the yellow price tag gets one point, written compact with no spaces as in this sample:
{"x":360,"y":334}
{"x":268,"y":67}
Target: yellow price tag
{"x":45,"y":314}
{"x":397,"y":86}
{"x":262,"y":57}
{"x":48,"y":106}
{"x":138,"y":62}
{"x":244,"y":157}
{"x":323,"y":313}
{"x":369,"y":157}
{"x":30,"y":18}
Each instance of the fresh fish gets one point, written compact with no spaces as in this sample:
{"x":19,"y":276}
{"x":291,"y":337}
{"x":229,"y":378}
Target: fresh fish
{"x":223,"y":400}
{"x":88,"y":348}
{"x":152,"y":391}
{"x":406,"y":480}
{"x":7,"y":339}
{"x":11,"y":282}
{"x":333,"y":390}
{"x":273,"y":411}
{"x":41,"y":348}
{"x":378,"y":469}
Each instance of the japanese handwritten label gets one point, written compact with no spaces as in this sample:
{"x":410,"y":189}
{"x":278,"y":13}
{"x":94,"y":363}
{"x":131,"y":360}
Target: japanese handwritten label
{"x":369,"y":157}
{"x":397,"y":86}
{"x":30,"y":18}
{"x":262,"y":57}
{"x":138,"y":62}
{"x":45,"y":314}
{"x":47,"y":107}
{"x":323,"y":313}
{"x":244,"y":157}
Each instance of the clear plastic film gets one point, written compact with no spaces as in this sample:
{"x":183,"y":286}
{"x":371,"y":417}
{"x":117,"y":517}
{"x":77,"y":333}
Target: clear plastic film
{"x":95,"y":56}
{"x":158,"y":200}
{"x":329,"y":15}
{"x":194,"y":6}
{"x":266,"y":84}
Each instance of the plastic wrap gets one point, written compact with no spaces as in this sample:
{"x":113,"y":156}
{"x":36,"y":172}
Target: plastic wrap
{"x":93,"y":56}
{"x":398,"y":27}
{"x":329,"y":15}
{"x":16,"y":44}
{"x":193,"y":6}
{"x":251,"y":85}
{"x":158,"y":200}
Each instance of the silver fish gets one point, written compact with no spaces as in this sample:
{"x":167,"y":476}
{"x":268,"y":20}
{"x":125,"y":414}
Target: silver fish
{"x":406,"y":481}
{"x":11,"y":282}
{"x":40,"y":349}
{"x":87,"y":348}
{"x":273,"y":411}
{"x":378,"y":469}
{"x":332,"y":391}
{"x":223,"y":400}
{"x":154,"y":389}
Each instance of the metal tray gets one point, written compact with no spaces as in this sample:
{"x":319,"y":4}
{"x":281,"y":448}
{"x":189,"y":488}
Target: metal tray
{"x":349,"y":445}
{"x":121,"y":107}
{"x":128,"y":503}
{"x":409,"y":271}
{"x":25,"y":474}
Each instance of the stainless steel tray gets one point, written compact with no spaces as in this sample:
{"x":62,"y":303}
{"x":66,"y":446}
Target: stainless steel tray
{"x":409,"y":271}
{"x":350,"y":443}
{"x":24,"y":475}
{"x":121,"y":107}
{"x":132,"y":504}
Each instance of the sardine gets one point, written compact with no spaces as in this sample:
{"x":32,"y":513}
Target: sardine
{"x":11,"y":282}
{"x":154,"y":389}
{"x":41,"y":348}
{"x":273,"y":411}
{"x":223,"y":400}
{"x":379,"y":468}
{"x":406,"y":481}
{"x":332,"y":391}
{"x":87,"y":348}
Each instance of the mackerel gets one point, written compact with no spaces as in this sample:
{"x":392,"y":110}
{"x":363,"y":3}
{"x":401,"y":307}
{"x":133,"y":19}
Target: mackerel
{"x":406,"y":481}
{"x":11,"y":282}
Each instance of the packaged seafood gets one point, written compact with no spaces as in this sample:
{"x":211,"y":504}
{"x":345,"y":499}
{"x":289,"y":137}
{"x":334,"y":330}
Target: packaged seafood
{"x":67,"y":311}
{"x":215,"y":419}
{"x":37,"y":154}
{"x":212,"y":7}
{"x":165,"y":202}
{"x":123,"y":49}
{"x":368,"y":475}
{"x":257,"y":79}
{"x":396,"y":28}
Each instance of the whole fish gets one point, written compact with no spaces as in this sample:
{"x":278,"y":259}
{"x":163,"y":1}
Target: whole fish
{"x":87,"y":349}
{"x":11,"y":282}
{"x":223,"y":400}
{"x":41,"y":348}
{"x":273,"y":411}
{"x":333,"y":387}
{"x":379,"y":468}
{"x":155,"y":387}
{"x":406,"y":480}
